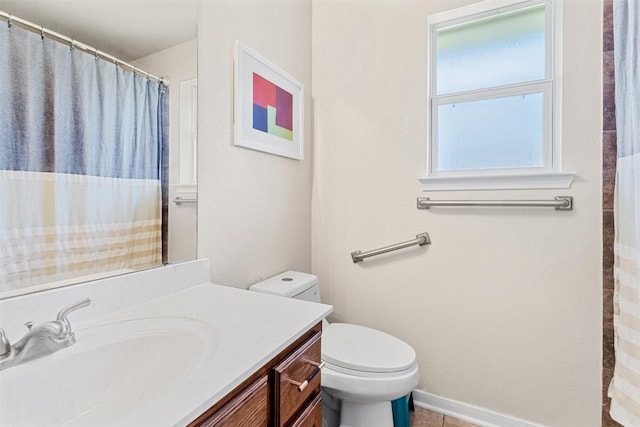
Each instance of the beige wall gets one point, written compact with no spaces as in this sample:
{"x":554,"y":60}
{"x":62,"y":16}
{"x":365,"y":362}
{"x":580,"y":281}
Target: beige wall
{"x":254,"y":208}
{"x":504,"y":308}
{"x":179,"y":63}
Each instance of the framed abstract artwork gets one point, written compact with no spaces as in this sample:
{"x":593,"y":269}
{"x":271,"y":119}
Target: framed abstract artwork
{"x":268,"y":110}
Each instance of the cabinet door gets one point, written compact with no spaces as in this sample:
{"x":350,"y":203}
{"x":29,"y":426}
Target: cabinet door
{"x":250,"y":408}
{"x":312,"y":415}
{"x":297,"y":380}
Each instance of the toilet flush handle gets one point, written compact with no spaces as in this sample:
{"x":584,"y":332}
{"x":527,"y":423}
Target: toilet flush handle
{"x":302,"y":385}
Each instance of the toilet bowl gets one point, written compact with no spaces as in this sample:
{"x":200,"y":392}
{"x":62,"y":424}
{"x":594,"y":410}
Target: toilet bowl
{"x":365,"y":369}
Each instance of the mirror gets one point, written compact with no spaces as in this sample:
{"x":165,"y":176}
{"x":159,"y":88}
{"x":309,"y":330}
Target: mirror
{"x":159,"y":40}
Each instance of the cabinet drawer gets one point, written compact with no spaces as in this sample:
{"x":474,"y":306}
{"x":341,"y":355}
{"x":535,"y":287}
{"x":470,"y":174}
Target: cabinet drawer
{"x":250,"y":408}
{"x":297,"y":380}
{"x":312,"y":415}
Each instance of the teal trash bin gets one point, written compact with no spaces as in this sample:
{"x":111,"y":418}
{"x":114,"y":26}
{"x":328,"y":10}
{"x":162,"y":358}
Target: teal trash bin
{"x":400,"y":408}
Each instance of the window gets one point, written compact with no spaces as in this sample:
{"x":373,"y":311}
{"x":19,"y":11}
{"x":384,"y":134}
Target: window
{"x":494,"y":93}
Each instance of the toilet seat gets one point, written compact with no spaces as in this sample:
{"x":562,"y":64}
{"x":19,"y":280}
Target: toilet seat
{"x":361,"y":351}
{"x":365,"y":374}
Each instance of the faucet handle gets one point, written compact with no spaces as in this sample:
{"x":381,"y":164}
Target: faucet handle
{"x":62,"y":315}
{"x":5,"y":345}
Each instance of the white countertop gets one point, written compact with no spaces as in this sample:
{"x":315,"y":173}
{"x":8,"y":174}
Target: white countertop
{"x":250,"y":328}
{"x":245,"y":330}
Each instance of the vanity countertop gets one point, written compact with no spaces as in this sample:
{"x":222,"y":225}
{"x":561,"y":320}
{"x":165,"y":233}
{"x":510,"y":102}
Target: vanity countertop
{"x":241,"y":331}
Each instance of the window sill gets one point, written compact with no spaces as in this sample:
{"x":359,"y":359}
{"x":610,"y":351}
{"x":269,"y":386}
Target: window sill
{"x":533,"y":181}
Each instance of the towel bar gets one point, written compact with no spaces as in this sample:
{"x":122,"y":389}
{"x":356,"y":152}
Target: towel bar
{"x":420,"y":240}
{"x":560,"y":203}
{"x":181,"y":201}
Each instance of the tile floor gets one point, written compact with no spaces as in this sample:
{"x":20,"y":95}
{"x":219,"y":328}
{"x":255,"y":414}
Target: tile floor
{"x":424,"y":418}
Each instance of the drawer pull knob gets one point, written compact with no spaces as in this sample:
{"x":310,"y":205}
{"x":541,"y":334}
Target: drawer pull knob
{"x":302,"y":385}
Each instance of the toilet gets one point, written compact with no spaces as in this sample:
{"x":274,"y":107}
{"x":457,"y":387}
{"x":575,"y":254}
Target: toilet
{"x":365,"y":369}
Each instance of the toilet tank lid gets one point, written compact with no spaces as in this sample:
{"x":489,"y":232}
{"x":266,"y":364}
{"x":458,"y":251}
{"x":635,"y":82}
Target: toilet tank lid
{"x":287,"y":284}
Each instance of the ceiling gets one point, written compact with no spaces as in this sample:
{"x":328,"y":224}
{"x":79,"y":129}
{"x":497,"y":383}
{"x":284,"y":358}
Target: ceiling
{"x":126,"y":29}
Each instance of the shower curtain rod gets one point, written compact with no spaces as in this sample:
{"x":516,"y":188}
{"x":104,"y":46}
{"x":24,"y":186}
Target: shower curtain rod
{"x":74,"y":44}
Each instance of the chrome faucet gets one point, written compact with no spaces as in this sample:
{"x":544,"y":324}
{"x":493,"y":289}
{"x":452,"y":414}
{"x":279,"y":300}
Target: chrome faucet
{"x":40,"y":340}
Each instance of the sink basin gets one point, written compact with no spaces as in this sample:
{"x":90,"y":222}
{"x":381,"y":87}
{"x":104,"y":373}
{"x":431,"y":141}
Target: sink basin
{"x":77,"y":387}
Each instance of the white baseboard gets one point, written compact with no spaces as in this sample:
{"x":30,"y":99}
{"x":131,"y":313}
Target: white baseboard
{"x":473,"y":414}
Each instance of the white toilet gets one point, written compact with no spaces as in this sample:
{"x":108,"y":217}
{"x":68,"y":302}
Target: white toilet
{"x":365,"y":369}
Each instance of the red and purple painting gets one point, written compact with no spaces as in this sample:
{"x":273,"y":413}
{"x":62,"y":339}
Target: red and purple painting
{"x":272,"y":108}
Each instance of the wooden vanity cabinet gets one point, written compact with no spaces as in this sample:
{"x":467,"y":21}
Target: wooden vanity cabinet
{"x":285,"y":392}
{"x":296,"y":380}
{"x":312,"y":415}
{"x":250,"y":407}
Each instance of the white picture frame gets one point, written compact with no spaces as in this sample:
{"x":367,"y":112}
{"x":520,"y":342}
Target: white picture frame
{"x":268,"y":106}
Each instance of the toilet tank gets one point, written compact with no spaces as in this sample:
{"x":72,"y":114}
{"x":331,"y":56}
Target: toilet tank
{"x":291,"y":284}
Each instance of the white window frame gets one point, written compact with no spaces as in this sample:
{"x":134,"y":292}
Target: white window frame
{"x":188,"y":132}
{"x":549,"y":176}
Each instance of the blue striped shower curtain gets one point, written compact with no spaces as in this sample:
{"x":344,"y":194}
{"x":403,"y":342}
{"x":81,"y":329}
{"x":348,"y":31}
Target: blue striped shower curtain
{"x":82,"y":144}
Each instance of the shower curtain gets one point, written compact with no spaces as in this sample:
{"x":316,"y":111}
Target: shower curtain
{"x":81,"y":149}
{"x":625,"y":387}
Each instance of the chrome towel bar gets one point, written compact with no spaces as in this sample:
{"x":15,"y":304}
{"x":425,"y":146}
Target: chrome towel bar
{"x":560,"y":203}
{"x":420,"y":240}
{"x":181,"y":201}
